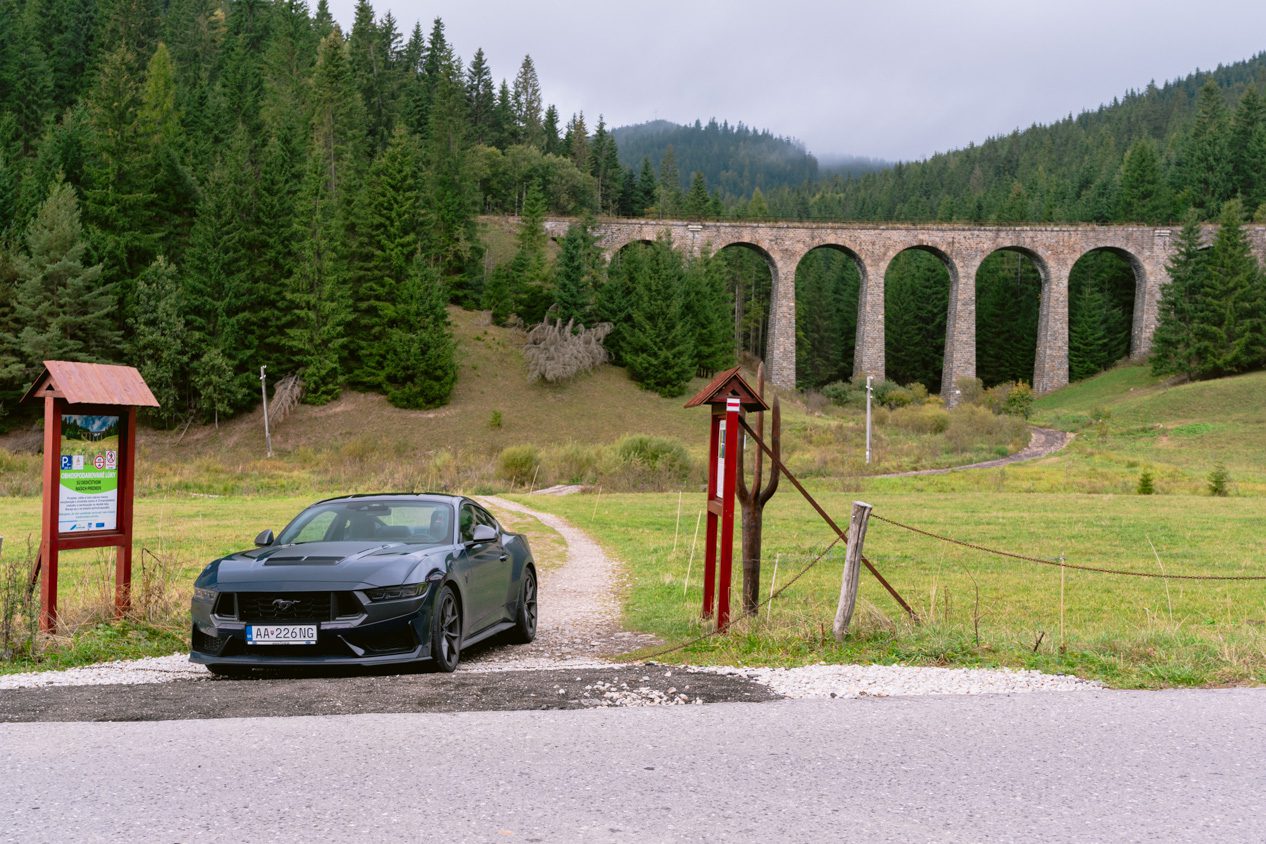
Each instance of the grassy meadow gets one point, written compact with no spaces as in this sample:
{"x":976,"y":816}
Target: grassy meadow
{"x":208,"y":490}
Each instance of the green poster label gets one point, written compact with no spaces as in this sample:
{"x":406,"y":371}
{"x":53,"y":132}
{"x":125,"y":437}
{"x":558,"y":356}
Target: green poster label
{"x":89,"y":494}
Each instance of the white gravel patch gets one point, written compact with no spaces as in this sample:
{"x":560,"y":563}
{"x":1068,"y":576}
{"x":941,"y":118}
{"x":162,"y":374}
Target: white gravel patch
{"x":851,"y":681}
{"x":155,"y":669}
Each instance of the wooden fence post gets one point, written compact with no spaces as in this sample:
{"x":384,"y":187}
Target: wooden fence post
{"x":852,"y":568}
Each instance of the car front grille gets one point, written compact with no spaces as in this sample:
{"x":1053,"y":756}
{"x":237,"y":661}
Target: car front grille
{"x":287,"y":606}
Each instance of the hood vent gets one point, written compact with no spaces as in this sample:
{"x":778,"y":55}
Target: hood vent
{"x":302,"y":561}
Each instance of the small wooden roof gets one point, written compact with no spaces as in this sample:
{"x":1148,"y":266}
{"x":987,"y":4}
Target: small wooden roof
{"x":726,"y":385}
{"x":92,"y":383}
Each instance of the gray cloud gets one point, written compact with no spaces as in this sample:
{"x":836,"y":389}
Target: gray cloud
{"x":900,"y":79}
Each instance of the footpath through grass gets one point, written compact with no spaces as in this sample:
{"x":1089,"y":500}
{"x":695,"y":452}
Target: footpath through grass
{"x":976,"y":609}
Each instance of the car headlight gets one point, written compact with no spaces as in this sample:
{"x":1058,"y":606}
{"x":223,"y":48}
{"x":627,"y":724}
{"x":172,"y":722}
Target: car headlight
{"x":202,"y":593}
{"x":395,"y":593}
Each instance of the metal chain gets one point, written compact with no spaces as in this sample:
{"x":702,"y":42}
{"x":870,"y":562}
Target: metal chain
{"x":1061,"y":564}
{"x":749,"y":613}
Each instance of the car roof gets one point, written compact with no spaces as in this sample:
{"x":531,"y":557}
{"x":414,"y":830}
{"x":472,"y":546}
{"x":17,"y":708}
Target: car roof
{"x":396,"y":496}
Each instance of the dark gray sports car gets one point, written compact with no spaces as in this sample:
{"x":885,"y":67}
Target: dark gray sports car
{"x":367,"y":580}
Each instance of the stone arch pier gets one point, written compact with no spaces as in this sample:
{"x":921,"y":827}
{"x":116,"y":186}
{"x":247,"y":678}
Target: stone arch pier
{"x":1054,"y":249}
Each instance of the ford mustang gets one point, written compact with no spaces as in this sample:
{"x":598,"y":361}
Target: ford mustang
{"x":367,"y":580}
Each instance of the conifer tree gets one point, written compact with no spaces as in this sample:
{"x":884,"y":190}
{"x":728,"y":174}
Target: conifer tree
{"x":1201,"y":169}
{"x":63,"y":309}
{"x":118,"y":199}
{"x":668,"y":197}
{"x":481,"y":100}
{"x":389,"y":217}
{"x":658,"y":348}
{"x":169,"y":183}
{"x":26,"y":79}
{"x":450,"y":189}
{"x":647,"y":188}
{"x":505,"y":130}
{"x":1173,"y":352}
{"x":421,"y":365}
{"x":1247,"y":163}
{"x":531,"y":280}
{"x":368,"y":62}
{"x":577,"y":275}
{"x":553,"y":143}
{"x":707,"y":308}
{"x":526,"y":99}
{"x":613,"y":302}
{"x":605,"y":166}
{"x":1143,"y":195}
{"x":1229,"y":332}
{"x":159,"y":343}
{"x":1088,"y":341}
{"x":697,"y":203}
{"x":577,"y":142}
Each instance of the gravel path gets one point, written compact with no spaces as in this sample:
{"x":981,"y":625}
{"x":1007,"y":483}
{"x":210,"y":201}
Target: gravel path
{"x":579,"y":624}
{"x":1042,"y":442}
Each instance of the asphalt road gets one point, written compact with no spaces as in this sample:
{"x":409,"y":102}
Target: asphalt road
{"x":1087,"y":766}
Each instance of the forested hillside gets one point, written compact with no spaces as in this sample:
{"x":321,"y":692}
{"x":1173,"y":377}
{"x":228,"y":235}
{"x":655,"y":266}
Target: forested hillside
{"x":1147,"y":157}
{"x":735,"y":161}
{"x":202,"y":187}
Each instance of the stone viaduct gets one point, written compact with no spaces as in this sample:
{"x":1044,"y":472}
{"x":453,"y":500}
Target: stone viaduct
{"x":1052,"y":248}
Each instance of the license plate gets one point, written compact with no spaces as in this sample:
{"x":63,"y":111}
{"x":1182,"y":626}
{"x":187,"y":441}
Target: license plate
{"x":281,"y":634}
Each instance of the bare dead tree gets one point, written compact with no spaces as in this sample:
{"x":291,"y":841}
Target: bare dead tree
{"x":754,"y":498}
{"x":556,"y":351}
{"x":286,"y":397}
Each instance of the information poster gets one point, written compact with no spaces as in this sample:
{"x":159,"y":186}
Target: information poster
{"x":89,"y":498}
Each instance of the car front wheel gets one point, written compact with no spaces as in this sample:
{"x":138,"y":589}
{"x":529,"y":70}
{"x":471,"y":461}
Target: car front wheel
{"x":446,"y":632}
{"x":525,"y":621}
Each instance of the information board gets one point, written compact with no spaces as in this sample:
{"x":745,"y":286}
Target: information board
{"x":89,"y":489}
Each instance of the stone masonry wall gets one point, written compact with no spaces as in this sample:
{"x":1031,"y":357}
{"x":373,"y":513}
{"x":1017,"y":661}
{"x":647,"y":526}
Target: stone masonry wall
{"x":1053,"y":248}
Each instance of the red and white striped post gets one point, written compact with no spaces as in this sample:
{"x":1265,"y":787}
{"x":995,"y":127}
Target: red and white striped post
{"x":730,"y":457}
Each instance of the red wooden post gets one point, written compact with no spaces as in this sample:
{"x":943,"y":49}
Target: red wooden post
{"x":732,"y":409}
{"x":127,"y":485}
{"x":728,"y":395}
{"x":714,"y":492}
{"x":48,"y":531}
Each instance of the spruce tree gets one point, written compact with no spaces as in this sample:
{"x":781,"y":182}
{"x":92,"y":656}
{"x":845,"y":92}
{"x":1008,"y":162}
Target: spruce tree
{"x":526,"y":99}
{"x":614,"y":300}
{"x":450,"y":189}
{"x":1173,"y":350}
{"x":1088,"y":342}
{"x":169,"y":182}
{"x":1247,"y":163}
{"x":553,"y":142}
{"x":1143,"y":195}
{"x":577,"y":275}
{"x":159,"y":343}
{"x":481,"y":100}
{"x":63,"y":309}
{"x":707,"y":309}
{"x":532,"y":282}
{"x":1228,"y":331}
{"x":1201,"y":168}
{"x":421,"y":364}
{"x":668,"y":196}
{"x":389,"y":218}
{"x":697,"y":203}
{"x":658,"y":348}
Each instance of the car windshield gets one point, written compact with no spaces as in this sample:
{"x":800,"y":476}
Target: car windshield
{"x":372,"y":521}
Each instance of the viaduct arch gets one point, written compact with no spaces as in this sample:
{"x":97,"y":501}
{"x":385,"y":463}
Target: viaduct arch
{"x":1054,"y":249}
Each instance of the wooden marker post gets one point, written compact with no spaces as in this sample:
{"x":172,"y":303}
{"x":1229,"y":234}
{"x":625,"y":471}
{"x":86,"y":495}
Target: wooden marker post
{"x":852,"y":568}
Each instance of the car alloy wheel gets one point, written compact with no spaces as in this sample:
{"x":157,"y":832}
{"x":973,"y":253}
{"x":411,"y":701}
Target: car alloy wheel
{"x":446,"y":632}
{"x":525,"y":620}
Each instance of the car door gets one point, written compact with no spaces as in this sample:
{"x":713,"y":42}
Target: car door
{"x":499,"y":578}
{"x":480,"y":574}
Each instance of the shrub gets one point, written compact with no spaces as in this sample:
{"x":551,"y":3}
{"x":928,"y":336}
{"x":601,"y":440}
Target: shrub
{"x":645,"y":462}
{"x":1146,"y":485}
{"x":924,"y":419}
{"x":518,"y":464}
{"x":1219,"y":480}
{"x":972,"y":426}
{"x":970,"y":390}
{"x":1019,"y":401}
{"x":556,"y":351}
{"x":840,"y":393}
{"x":494,"y":421}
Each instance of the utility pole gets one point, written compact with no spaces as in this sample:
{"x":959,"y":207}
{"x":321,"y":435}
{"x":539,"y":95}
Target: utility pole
{"x":263,"y":388}
{"x":869,"y":393}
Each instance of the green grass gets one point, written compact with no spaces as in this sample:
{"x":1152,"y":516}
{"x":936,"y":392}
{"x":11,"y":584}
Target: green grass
{"x":1119,"y":630}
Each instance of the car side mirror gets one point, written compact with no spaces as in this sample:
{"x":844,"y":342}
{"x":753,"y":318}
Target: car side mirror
{"x":265,"y":539}
{"x":483,"y":534}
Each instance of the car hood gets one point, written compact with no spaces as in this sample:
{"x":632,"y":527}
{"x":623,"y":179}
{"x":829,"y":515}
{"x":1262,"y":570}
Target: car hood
{"x":327,"y":565}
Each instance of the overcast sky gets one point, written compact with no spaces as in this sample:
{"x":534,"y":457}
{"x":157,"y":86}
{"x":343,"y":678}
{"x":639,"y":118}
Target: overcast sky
{"x":892,"y":79}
